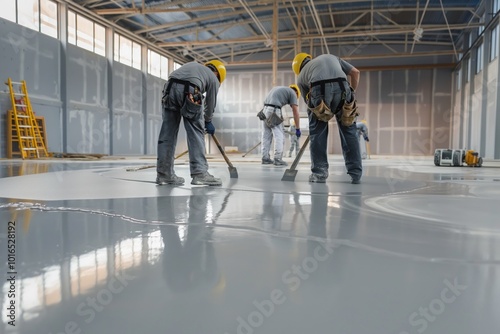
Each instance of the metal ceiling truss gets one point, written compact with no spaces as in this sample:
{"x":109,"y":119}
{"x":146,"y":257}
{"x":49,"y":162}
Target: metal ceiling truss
{"x":209,"y":28}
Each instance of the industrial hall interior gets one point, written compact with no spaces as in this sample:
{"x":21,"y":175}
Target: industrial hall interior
{"x":249,"y":166}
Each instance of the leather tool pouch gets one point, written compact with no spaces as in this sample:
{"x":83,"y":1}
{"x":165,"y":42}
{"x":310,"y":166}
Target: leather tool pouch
{"x":274,"y":120}
{"x":322,"y":112}
{"x":349,"y":113}
{"x":261,"y":115}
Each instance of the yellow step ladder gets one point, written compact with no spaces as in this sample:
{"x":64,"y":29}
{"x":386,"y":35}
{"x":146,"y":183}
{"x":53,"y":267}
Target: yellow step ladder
{"x":31,"y":143}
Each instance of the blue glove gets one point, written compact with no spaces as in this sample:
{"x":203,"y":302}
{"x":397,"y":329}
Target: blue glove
{"x":210,"y":128}
{"x":366,"y":138}
{"x":298,"y":133}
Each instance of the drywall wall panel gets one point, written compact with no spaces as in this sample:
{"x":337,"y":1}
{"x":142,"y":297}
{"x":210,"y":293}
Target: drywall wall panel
{"x":31,"y":56}
{"x":128,"y":119}
{"x":476,"y":113}
{"x":465,"y":116}
{"x":88,"y":130}
{"x":86,"y":78}
{"x":88,"y":116}
{"x":441,"y":116}
{"x":154,"y":88}
{"x":405,"y":110}
{"x":128,"y":133}
{"x":492,"y":112}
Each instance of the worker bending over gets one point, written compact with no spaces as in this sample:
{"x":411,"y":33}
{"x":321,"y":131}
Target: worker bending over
{"x":278,"y":97}
{"x":191,"y":94}
{"x":327,"y":93}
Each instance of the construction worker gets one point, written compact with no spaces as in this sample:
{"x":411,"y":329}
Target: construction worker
{"x":362,"y":137}
{"x":327,"y":93}
{"x":294,"y":140}
{"x":191,"y":94}
{"x":278,"y":97}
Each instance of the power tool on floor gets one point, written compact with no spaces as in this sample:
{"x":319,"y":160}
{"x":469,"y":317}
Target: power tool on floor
{"x":457,"y":158}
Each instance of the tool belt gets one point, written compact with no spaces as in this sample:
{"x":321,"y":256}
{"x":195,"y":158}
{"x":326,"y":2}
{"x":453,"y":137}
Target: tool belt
{"x":274,"y":119}
{"x":192,"y":105}
{"x":346,"y":112}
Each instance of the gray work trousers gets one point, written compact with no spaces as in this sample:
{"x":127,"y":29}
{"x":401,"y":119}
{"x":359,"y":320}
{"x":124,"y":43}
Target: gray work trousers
{"x":167,"y":140}
{"x":278,"y":132}
{"x":318,"y":134}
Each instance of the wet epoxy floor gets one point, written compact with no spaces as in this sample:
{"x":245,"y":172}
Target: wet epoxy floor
{"x":98,"y":249}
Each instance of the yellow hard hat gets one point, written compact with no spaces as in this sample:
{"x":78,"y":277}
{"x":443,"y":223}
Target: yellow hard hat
{"x":219,"y":66}
{"x":297,"y":61}
{"x":296,"y":89}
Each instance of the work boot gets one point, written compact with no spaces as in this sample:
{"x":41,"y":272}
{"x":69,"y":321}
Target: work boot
{"x":279,"y":162}
{"x":206,"y":180}
{"x":355,"y":181}
{"x":315,"y":178}
{"x":174,"y":180}
{"x":267,"y":161}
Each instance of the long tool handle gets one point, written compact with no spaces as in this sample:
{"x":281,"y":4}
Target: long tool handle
{"x":299,"y":155}
{"x":253,"y":148}
{"x":181,"y":154}
{"x":222,"y":151}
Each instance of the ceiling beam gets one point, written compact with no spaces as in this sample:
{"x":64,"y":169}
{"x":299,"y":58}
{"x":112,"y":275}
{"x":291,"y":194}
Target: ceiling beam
{"x":358,"y":33}
{"x":231,"y":14}
{"x":350,"y":58}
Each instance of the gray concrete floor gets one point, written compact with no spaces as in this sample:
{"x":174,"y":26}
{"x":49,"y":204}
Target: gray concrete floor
{"x":98,"y":249}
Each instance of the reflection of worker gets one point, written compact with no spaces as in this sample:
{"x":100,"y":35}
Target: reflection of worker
{"x":323,"y":215}
{"x":327,"y":93}
{"x":183,"y":98}
{"x":272,"y":213}
{"x":273,"y":125}
{"x":188,"y":256}
{"x":362,"y":137}
{"x":294,"y":140}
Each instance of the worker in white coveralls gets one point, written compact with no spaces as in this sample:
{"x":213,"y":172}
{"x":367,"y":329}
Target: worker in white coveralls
{"x":327,"y":93}
{"x":191,"y":94}
{"x":362,"y":137}
{"x":278,"y":97}
{"x":294,"y":140}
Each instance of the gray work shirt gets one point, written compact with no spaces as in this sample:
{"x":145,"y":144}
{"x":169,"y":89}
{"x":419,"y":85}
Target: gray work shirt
{"x":202,"y":77}
{"x":323,"y":67}
{"x":280,"y":96}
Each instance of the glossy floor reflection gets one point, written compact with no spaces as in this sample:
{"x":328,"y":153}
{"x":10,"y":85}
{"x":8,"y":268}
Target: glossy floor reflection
{"x":98,"y":249}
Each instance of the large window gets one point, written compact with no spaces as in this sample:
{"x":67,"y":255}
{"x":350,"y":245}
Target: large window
{"x":494,"y":43}
{"x":39,"y":15}
{"x":86,"y":33}
{"x":459,"y":79}
{"x":479,"y":58}
{"x":28,"y":14}
{"x":480,"y":29}
{"x":127,"y":52}
{"x":157,"y":65}
{"x":48,"y":18}
{"x":8,"y":10}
